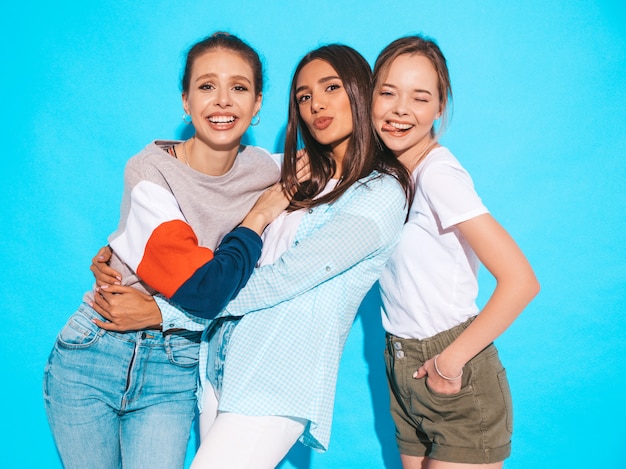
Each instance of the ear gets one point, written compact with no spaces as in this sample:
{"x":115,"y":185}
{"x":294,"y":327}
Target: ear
{"x":257,"y":104}
{"x":440,"y":113}
{"x":185,"y":104}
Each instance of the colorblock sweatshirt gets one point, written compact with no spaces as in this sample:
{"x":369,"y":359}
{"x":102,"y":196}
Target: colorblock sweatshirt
{"x":177,"y":233}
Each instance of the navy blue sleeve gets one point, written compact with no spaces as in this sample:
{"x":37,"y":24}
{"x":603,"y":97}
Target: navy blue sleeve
{"x":217,"y":282}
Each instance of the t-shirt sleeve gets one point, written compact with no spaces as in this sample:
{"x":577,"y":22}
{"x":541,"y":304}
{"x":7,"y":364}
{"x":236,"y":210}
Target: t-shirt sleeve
{"x":450,"y":192}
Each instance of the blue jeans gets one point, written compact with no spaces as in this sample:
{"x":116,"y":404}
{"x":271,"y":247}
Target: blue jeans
{"x":121,"y":399}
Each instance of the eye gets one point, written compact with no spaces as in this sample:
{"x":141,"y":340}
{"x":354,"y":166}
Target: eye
{"x":240,"y":88}
{"x":303,"y":98}
{"x":333,"y":87}
{"x":206,"y":86}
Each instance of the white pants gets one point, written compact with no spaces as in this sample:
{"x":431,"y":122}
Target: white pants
{"x":234,"y":441}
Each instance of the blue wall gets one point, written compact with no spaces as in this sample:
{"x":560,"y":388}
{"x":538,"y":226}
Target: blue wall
{"x":539,"y":121}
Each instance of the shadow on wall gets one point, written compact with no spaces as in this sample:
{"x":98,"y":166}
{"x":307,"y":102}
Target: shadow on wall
{"x":185,"y":132}
{"x":299,"y":457}
{"x":373,"y":339}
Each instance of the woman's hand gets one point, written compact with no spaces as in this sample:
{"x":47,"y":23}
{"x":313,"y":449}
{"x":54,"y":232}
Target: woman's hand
{"x":104,"y":274}
{"x":303,"y":170}
{"x":435,"y":381}
{"x":125,"y":309}
{"x":270,"y":204}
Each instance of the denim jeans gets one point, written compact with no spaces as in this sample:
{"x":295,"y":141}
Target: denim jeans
{"x":120,"y":399}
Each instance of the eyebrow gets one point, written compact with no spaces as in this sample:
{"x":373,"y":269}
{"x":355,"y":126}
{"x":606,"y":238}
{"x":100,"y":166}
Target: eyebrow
{"x":416,"y":90}
{"x":321,"y":80}
{"x":233,"y":77}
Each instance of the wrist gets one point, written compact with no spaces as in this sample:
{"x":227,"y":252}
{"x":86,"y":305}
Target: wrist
{"x":448,"y":375}
{"x":255,"y":221}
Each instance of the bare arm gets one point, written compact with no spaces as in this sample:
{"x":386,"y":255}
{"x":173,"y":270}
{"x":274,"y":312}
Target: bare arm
{"x":516,"y":286}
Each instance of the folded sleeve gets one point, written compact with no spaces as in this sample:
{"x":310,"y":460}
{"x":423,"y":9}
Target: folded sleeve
{"x":177,"y":318}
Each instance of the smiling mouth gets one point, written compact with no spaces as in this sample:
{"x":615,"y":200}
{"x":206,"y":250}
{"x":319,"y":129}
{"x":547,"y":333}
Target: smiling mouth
{"x":397,"y":128}
{"x":221,"y":119}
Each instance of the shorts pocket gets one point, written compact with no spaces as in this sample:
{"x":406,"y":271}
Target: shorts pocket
{"x":465,"y":390}
{"x":437,"y":407}
{"x":466,"y":387}
{"x":79,"y":332}
{"x":183,"y":348}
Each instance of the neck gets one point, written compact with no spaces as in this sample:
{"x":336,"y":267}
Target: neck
{"x":208,"y":160}
{"x":338,"y":152}
{"x":412,"y":157}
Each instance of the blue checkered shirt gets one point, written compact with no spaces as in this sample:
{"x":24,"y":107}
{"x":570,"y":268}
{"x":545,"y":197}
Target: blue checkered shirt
{"x":283,"y":359}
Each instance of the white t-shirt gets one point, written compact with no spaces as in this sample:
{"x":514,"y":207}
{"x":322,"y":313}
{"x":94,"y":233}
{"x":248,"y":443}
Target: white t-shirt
{"x":279,"y":235}
{"x":430,"y":283}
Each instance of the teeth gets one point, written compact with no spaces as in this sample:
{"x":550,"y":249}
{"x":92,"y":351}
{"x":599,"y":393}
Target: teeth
{"x":222,"y":119}
{"x":397,"y":125}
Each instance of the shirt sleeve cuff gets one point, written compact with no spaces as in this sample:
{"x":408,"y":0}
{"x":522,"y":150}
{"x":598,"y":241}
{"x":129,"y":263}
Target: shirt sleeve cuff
{"x":175,"y":318}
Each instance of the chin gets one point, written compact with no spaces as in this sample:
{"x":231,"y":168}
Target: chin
{"x":396,"y":147}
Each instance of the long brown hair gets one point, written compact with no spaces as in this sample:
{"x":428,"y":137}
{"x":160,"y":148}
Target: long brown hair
{"x":362,"y":153}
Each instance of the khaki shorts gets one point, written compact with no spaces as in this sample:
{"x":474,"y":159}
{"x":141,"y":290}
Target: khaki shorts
{"x":473,"y":426}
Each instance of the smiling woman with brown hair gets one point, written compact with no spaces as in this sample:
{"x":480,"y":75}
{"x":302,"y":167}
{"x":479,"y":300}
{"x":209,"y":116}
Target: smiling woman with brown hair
{"x":127,"y":399}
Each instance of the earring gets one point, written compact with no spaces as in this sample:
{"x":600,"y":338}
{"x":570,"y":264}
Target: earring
{"x":186,"y":118}
{"x":255,"y":122}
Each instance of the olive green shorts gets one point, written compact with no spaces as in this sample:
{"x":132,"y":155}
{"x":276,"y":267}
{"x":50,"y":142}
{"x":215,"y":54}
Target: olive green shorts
{"x":473,"y":426}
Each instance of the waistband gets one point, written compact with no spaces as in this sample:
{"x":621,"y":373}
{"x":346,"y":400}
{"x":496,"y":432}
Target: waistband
{"x":423,"y":349}
{"x":148,"y":333}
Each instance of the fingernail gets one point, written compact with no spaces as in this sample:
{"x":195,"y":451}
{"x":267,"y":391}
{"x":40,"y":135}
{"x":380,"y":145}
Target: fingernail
{"x":104,"y":287}
{"x":100,"y":258}
{"x":415,"y":375}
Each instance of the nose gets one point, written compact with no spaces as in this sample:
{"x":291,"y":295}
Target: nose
{"x":400,"y":106}
{"x":317,"y":103}
{"x":223,"y":97}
